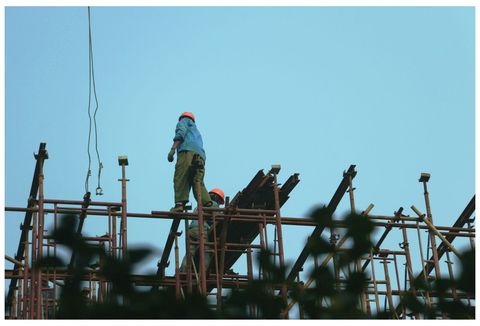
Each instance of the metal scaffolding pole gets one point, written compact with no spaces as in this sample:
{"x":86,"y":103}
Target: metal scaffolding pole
{"x":424,"y":178}
{"x":123,"y":162}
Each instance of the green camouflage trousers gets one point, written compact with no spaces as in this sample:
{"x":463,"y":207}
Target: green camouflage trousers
{"x":189,"y":169}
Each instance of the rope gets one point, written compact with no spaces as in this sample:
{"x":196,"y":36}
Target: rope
{"x":91,"y":82}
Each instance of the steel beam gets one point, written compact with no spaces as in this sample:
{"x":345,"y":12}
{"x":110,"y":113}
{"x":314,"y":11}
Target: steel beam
{"x":168,"y":248}
{"x":40,"y":158}
{"x":332,"y":205}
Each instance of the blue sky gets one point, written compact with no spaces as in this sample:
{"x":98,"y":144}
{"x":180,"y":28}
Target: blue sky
{"x":314,"y":89}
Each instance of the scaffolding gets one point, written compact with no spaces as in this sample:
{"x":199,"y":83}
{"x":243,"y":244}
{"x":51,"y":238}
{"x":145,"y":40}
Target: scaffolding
{"x":244,"y":226}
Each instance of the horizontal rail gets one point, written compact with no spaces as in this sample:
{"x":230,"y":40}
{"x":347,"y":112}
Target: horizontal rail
{"x":80,"y":202}
{"x":297,"y":221}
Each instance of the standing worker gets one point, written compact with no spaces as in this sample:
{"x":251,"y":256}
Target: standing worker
{"x":190,"y":166}
{"x":218,"y":198}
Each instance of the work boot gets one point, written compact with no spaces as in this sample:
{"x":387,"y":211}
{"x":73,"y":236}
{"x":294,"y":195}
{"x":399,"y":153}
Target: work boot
{"x":179,"y":207}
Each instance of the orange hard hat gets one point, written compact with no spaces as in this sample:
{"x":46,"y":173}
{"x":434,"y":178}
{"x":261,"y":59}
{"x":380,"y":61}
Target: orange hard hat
{"x":188,"y":115}
{"x":220,"y":193}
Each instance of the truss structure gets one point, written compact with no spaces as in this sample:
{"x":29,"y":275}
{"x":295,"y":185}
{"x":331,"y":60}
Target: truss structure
{"x":244,"y":226}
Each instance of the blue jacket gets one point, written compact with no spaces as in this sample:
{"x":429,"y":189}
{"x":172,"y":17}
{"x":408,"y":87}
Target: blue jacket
{"x":189,"y":136}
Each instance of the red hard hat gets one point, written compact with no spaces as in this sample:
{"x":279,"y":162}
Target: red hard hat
{"x":220,"y":193}
{"x":188,"y":115}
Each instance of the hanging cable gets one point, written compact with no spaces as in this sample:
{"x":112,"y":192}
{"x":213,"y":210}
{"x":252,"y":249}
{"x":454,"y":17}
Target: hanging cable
{"x":91,"y":82}
{"x":89,"y":172}
{"x":100,"y":165}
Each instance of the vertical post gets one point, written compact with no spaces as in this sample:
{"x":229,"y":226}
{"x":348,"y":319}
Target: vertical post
{"x":215,"y":257}
{"x":47,"y":278}
{"x":398,"y":282}
{"x":375,"y":286}
{"x":261,"y":227}
{"x":123,"y":162}
{"x":33,"y":276}
{"x":275,"y":244}
{"x":350,"y":193}
{"x":424,"y":178}
{"x":450,"y":274}
{"x":300,"y":309}
{"x":201,"y":248}
{"x":249,"y":264}
{"x":19,"y":299}
{"x":109,"y":230}
{"x":55,"y":216}
{"x":425,"y":276}
{"x":265,"y":231}
{"x":274,"y":171}
{"x":90,"y":280}
{"x":41,"y":218}
{"x":94,"y":290}
{"x":363,"y":297}
{"x":13,"y":309}
{"x":114,"y":250}
{"x":406,"y":247}
{"x":188,"y":256}
{"x":389,"y":287}
{"x":103,"y":284}
{"x":336,"y":268}
{"x":262,"y":236}
{"x":114,"y":236}
{"x":250,"y":276}
{"x":26,"y":276}
{"x":223,"y":239}
{"x":177,"y":268}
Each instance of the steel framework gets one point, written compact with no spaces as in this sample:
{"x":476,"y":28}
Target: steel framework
{"x":243,"y":226}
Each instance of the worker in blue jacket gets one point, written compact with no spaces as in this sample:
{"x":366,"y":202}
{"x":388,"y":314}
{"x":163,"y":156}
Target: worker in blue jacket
{"x":190,"y":166}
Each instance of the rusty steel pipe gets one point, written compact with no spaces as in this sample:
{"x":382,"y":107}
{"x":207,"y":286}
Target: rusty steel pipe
{"x":80,"y":202}
{"x":33,"y":274}
{"x":203,"y":276}
{"x":124,"y":211}
{"x":297,"y":221}
{"x":279,"y":232}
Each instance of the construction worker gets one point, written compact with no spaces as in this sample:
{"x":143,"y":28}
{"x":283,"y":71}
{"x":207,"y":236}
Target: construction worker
{"x":218,"y":198}
{"x":190,"y":166}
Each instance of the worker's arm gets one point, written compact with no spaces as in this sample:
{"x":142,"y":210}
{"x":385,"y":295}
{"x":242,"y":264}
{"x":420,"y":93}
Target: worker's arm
{"x":175,"y":144}
{"x":180,"y":132}
{"x":172,"y":150}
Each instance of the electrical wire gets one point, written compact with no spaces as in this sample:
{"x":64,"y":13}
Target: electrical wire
{"x":89,"y":172}
{"x":91,"y":77}
{"x":100,"y":165}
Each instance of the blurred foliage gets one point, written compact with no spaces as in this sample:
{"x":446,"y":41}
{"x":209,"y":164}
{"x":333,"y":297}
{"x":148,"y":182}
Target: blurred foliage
{"x":264,"y":297}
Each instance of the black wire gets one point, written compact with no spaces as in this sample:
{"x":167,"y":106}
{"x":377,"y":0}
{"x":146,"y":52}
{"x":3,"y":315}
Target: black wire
{"x":100,"y":165}
{"x":89,"y":100}
{"x":91,"y":82}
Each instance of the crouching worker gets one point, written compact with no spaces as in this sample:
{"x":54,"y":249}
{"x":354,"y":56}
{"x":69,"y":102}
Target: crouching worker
{"x":218,"y":198}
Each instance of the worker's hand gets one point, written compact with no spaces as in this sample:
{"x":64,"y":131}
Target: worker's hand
{"x":171,"y":154}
